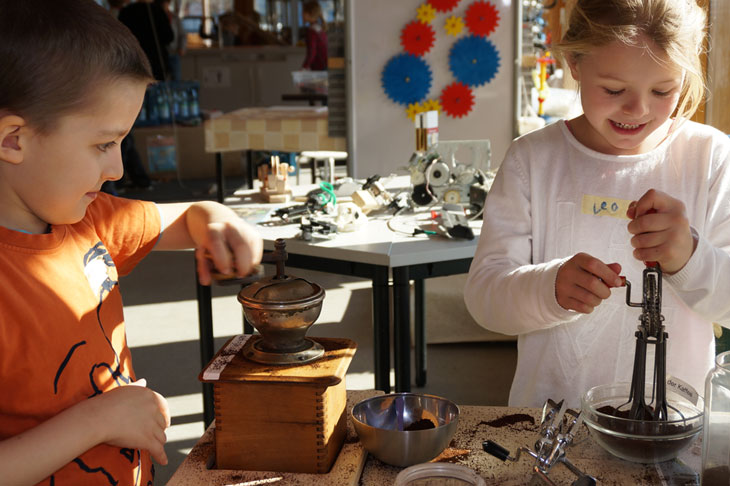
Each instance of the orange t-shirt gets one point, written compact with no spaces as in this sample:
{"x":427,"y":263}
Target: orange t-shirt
{"x":62,"y":337}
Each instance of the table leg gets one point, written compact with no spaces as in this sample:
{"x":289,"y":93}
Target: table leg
{"x":401,"y":329}
{"x":381,"y":329}
{"x":219,"y":176}
{"x":250,"y":168}
{"x":420,"y":338}
{"x":205,"y":324}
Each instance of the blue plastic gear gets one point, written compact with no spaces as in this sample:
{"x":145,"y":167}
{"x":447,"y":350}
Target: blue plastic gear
{"x":406,"y":79}
{"x":474,"y":60}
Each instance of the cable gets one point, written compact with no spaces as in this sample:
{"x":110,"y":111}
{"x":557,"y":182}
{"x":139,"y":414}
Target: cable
{"x":329,"y":190}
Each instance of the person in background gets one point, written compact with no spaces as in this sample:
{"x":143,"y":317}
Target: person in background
{"x":115,"y":6}
{"x":316,"y":38}
{"x":72,"y":409}
{"x":151,"y":26}
{"x":580,"y":202}
{"x":177,"y":48}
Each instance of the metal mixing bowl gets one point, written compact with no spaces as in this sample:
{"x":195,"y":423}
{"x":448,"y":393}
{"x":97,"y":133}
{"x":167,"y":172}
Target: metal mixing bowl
{"x":381,"y":423}
{"x":640,"y":441}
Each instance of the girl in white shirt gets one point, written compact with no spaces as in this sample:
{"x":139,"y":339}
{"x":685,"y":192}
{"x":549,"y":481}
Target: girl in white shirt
{"x":582,"y":201}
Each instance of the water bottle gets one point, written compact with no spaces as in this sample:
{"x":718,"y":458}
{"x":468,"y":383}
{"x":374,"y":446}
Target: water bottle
{"x":194,"y":106}
{"x":184,"y":104}
{"x":163,"y":105}
{"x":716,"y":429}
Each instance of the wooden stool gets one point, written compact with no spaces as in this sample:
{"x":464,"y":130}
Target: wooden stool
{"x":330,"y":159}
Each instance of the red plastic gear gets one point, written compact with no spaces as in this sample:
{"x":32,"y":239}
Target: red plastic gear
{"x":443,"y":5}
{"x":481,"y":18}
{"x":417,"y":38}
{"x":457,"y":99}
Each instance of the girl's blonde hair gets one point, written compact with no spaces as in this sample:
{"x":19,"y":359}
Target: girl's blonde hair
{"x":677,"y":28}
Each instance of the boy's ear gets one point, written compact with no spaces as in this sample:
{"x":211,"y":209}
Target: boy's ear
{"x":11,"y":149}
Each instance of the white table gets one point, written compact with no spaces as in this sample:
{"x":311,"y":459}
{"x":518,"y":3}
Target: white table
{"x":377,"y":253}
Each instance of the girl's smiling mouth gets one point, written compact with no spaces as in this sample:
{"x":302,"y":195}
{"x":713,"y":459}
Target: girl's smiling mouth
{"x":626,"y":128}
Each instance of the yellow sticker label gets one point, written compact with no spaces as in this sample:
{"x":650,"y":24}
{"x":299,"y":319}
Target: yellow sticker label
{"x":605,"y":206}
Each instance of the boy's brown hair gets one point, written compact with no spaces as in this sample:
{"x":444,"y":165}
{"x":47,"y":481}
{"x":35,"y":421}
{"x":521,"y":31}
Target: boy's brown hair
{"x":54,"y":55}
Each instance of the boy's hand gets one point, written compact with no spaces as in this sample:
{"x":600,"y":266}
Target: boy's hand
{"x":233,"y":246}
{"x":583,"y":282}
{"x":662,"y":235}
{"x":133,"y":416}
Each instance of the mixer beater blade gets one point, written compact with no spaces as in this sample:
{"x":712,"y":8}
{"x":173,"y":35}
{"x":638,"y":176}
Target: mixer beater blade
{"x":650,"y":331}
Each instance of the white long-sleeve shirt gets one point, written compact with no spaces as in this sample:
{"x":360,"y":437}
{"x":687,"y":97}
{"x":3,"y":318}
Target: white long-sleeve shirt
{"x":552,"y":198}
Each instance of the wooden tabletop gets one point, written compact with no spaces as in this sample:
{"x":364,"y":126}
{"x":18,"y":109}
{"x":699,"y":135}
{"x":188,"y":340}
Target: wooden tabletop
{"x":284,"y":128}
{"x":508,"y":426}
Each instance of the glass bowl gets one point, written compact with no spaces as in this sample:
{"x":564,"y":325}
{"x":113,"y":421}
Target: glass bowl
{"x":642,"y":441}
{"x":438,"y":473}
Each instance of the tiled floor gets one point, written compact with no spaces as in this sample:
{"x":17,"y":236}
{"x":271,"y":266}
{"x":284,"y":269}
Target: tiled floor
{"x":162,"y":321}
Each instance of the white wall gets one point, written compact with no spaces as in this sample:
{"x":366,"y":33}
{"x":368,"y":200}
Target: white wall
{"x":381,"y":137}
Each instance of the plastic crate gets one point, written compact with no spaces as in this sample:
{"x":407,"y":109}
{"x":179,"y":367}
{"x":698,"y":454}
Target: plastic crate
{"x":310,"y":81}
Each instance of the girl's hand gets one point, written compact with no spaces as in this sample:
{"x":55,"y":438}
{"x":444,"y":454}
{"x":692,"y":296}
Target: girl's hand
{"x":583,"y":282}
{"x":661,"y":231}
{"x":133,"y":416}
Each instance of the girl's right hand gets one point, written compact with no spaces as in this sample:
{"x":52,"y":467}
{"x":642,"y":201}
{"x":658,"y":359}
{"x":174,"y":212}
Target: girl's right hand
{"x":133,"y":416}
{"x":583,"y":282}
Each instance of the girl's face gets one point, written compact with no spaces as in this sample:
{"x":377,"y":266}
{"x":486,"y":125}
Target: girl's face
{"x":628,"y":96}
{"x":61,"y":172}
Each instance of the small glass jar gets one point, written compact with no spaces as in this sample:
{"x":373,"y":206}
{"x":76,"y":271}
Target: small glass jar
{"x":716,"y":433}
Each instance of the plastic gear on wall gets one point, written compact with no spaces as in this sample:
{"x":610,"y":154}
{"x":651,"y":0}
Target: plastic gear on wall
{"x":454,"y":25}
{"x":431,"y":105}
{"x":457,"y":99}
{"x":443,"y":5}
{"x":425,"y":13}
{"x":406,"y":78}
{"x":474,"y":60}
{"x":481,"y":18}
{"x":413,"y":109}
{"x":417,"y":38}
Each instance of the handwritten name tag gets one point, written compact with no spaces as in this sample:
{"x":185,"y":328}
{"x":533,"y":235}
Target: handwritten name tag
{"x":604,"y":206}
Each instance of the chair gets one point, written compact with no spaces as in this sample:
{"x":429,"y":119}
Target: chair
{"x":329,"y":159}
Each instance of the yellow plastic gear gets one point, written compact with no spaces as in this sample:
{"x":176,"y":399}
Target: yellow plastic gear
{"x":452,"y":196}
{"x":432,"y":105}
{"x":426,"y":13}
{"x":454,"y":25}
{"x":413,"y":109}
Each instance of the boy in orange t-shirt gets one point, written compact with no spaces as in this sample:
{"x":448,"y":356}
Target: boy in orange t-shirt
{"x":72,"y":412}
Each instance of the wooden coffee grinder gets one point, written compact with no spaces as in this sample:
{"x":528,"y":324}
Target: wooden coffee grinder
{"x":280,"y":399}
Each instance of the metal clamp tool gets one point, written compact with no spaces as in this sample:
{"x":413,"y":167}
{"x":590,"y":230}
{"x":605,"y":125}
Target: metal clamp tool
{"x":558,"y":428}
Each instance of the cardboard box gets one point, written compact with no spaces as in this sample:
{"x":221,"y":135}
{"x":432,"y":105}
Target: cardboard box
{"x":168,"y":151}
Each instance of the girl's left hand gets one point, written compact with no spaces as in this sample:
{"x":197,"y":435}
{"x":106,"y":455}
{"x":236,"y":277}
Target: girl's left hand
{"x":661,"y":231}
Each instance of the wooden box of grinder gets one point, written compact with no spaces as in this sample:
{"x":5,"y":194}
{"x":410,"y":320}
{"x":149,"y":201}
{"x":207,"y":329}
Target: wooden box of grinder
{"x":289,"y":418}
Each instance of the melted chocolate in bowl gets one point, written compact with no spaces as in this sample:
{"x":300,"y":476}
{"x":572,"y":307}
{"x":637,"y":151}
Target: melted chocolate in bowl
{"x":643,"y":441}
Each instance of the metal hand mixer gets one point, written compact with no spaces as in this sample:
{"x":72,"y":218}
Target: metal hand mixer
{"x":650,"y":331}
{"x":558,"y":428}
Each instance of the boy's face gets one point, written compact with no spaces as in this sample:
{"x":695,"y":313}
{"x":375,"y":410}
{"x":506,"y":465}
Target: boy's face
{"x":627,"y":96}
{"x":62,"y":171}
